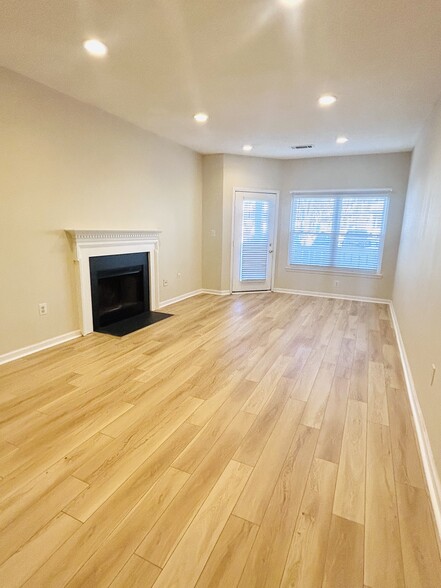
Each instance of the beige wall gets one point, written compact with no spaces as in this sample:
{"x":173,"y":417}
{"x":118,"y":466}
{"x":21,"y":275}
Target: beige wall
{"x":417,"y":290}
{"x":212,"y":220}
{"x":65,"y":165}
{"x":354,"y":172}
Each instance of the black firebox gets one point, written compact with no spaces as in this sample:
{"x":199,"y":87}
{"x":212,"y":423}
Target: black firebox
{"x":121,"y":293}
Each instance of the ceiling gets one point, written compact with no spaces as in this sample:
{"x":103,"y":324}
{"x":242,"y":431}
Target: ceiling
{"x":257,"y":67}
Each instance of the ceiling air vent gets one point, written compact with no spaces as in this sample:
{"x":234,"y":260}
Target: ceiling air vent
{"x":302,"y":146}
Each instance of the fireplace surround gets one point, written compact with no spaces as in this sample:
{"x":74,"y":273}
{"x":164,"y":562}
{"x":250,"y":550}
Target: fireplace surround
{"x":88,"y":245}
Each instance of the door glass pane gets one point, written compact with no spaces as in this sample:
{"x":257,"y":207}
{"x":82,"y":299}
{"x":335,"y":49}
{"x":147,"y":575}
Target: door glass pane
{"x":255,"y":240}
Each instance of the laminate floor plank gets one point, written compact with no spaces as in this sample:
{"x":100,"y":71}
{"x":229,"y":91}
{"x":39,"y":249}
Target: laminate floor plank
{"x":137,"y":573}
{"x":383,"y":559}
{"x":346,"y":358}
{"x":305,"y":564}
{"x":258,"y":491}
{"x":24,"y":562}
{"x":266,"y":562}
{"x":421,"y":558}
{"x":110,"y":558}
{"x":114,"y":472}
{"x":266,"y":386}
{"x":227,"y":560}
{"x":255,"y":440}
{"x":331,"y":431}
{"x":190,"y":556}
{"x":343,"y":566}
{"x":359,"y":376}
{"x":318,"y":398}
{"x":392,"y":367}
{"x":377,"y":399}
{"x":33,"y":519}
{"x":193,"y":455}
{"x":350,"y":491}
{"x":307,"y":376}
{"x":19,"y":468}
{"x":406,"y":459}
{"x":166,"y":534}
{"x":40,"y":487}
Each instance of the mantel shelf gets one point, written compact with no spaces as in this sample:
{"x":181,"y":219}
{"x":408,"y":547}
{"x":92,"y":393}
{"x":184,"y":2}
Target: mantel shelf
{"x":111,"y":235}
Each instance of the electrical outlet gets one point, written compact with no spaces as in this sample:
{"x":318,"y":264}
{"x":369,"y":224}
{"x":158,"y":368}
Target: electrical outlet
{"x":179,"y":275}
{"x":42,"y":308}
{"x":213,"y":233}
{"x":165,"y":282}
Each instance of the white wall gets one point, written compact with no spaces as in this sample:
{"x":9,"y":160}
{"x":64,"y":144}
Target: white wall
{"x":67,"y":165}
{"x":417,"y":289}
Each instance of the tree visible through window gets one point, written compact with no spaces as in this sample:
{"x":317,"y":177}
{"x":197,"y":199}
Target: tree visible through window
{"x":345,"y":232}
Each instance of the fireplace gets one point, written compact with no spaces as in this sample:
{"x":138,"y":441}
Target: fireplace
{"x":123,"y":285}
{"x":120,"y":287}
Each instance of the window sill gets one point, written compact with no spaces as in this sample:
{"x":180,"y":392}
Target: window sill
{"x":332,"y":271}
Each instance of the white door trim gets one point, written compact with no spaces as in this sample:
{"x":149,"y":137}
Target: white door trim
{"x":276,"y":193}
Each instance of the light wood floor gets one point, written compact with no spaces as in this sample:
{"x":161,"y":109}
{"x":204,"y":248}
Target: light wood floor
{"x":252,"y":440}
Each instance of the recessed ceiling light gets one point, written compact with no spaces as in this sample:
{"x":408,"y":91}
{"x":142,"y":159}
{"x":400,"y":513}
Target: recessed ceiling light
{"x":342,"y":140}
{"x":247,"y":147}
{"x":95,"y":47}
{"x":327,"y":100}
{"x":290,"y":3}
{"x":201,"y":117}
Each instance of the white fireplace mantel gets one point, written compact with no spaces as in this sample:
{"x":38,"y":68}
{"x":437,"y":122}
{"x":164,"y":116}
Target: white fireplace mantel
{"x":89,"y":243}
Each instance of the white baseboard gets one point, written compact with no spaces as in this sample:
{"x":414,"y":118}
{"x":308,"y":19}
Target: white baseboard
{"x":332,"y":295}
{"x":7,"y":357}
{"x":194,"y":293}
{"x":430,"y":470}
{"x":179,"y":298}
{"x":217,"y":292}
{"x":279,"y":290}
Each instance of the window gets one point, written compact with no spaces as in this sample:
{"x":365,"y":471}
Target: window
{"x":339,"y":231}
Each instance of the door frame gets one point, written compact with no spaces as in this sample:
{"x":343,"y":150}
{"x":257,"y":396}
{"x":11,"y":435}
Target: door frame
{"x":275,"y":193}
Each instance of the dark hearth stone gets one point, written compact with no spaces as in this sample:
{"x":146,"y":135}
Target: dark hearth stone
{"x":134,"y":323}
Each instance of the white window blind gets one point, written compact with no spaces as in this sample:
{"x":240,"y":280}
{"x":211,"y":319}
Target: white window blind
{"x":255,"y":239}
{"x":345,"y":232}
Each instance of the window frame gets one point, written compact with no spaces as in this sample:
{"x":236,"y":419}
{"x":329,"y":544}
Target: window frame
{"x":383,"y":192}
